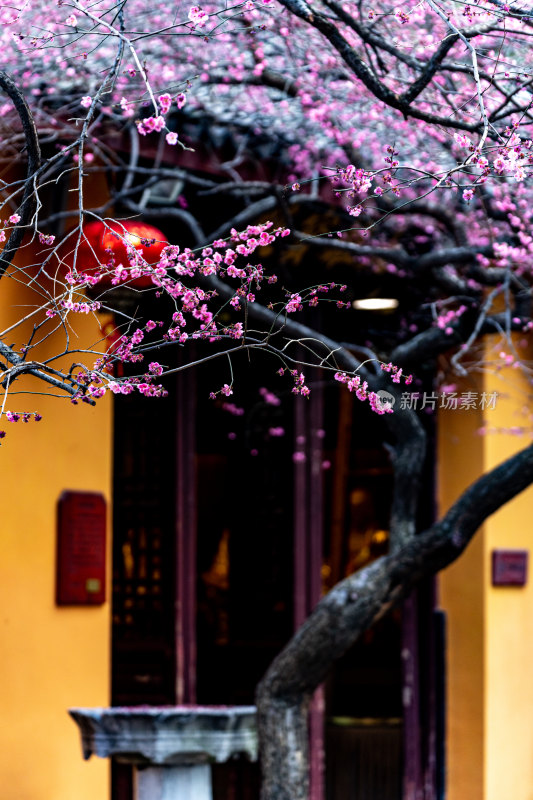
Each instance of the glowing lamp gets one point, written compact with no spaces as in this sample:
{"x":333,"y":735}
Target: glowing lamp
{"x":105,"y":240}
{"x":376,"y":304}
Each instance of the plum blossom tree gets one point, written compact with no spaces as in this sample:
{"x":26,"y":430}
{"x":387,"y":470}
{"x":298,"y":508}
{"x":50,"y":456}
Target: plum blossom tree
{"x":390,"y":141}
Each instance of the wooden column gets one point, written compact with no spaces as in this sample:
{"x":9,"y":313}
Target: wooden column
{"x":412,"y":782}
{"x":186,"y":535}
{"x":308,"y":547}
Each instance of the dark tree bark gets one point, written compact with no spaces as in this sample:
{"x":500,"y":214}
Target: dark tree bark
{"x":351,"y":607}
{"x":28,"y":203}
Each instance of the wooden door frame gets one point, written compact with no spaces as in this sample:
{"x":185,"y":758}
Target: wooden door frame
{"x":308,"y":553}
{"x":186,"y":539}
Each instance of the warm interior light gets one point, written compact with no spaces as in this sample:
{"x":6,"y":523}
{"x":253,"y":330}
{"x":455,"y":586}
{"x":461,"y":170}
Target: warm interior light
{"x":375,"y":303}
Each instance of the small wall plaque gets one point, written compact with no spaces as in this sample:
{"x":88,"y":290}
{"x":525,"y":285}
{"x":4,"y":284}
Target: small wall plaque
{"x":509,"y":567}
{"x":81,"y":549}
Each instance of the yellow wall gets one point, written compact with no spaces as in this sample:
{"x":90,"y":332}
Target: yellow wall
{"x":490,"y":629}
{"x":508,"y":611}
{"x":462,"y":590}
{"x":51,"y":658}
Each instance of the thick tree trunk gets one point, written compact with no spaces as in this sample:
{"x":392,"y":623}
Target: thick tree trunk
{"x":284,"y":694}
{"x":349,"y":609}
{"x":284,"y":731}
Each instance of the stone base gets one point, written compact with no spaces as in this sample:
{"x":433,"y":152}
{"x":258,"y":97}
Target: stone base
{"x":174,"y":783}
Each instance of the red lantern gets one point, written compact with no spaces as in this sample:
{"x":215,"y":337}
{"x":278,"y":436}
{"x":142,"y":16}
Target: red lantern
{"x":103,"y":241}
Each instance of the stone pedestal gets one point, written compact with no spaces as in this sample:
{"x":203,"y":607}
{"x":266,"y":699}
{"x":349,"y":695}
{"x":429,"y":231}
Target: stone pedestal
{"x":173,"y":783}
{"x":171,"y":747}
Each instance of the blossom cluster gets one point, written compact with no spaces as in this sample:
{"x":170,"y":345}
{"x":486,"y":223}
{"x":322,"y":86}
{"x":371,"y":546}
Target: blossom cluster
{"x":175,"y":275}
{"x":94,"y":385}
{"x":396,"y":373}
{"x":324,"y":117}
{"x":158,"y":123}
{"x":361,"y":389}
{"x":445,"y":319}
{"x":25,"y":416}
{"x":269,"y":397}
{"x":16,"y":416}
{"x":310,"y":297}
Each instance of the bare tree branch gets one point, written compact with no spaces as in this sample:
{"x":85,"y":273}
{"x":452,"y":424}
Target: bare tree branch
{"x":28,"y":202}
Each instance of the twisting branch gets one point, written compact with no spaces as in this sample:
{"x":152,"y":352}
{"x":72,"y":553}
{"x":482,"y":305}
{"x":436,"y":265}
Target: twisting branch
{"x":330,"y":31}
{"x":348,"y":610}
{"x":20,"y":366}
{"x":27,"y":205}
{"x":479,"y":90}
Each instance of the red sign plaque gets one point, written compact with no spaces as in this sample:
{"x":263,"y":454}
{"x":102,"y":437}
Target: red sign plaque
{"x":509,"y":567}
{"x":81,"y":549}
